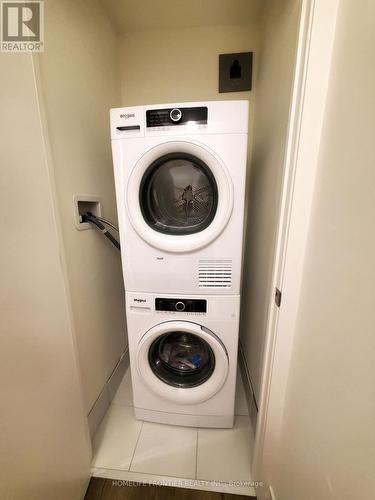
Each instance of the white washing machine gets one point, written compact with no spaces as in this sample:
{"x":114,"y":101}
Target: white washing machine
{"x":180,"y":174}
{"x":183,"y":356}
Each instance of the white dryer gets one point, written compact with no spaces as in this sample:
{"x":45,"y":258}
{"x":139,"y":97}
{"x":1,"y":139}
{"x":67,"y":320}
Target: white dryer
{"x":180,"y":173}
{"x":183,"y":357}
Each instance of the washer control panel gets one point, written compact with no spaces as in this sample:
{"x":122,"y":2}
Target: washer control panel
{"x":176,"y":116}
{"x":181,"y":305}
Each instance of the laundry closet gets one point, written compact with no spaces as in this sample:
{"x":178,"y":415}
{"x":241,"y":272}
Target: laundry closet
{"x":115,"y":54}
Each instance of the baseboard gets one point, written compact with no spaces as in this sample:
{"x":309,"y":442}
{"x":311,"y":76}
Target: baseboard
{"x":108,"y":392}
{"x":250,"y":397}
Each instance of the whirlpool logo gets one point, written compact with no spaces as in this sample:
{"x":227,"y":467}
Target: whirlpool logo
{"x":140,"y":301}
{"x":127,"y":115}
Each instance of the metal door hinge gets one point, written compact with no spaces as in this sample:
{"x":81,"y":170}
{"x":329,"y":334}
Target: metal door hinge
{"x":277,"y":297}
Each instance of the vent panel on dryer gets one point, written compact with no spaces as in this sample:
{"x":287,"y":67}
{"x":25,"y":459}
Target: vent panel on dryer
{"x":215,"y":273}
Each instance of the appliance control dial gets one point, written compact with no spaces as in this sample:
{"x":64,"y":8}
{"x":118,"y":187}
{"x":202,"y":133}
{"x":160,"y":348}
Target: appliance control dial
{"x":180,"y":306}
{"x":175,"y":115}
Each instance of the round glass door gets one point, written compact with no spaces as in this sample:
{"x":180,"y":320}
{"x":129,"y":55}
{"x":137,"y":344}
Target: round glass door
{"x":178,"y":194}
{"x":181,"y":359}
{"x":182,"y":362}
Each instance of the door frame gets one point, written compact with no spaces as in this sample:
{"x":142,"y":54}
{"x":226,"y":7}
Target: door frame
{"x":306,"y":115}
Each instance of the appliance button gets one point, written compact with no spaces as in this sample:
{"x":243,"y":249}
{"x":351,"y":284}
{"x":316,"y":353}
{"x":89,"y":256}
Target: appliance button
{"x":175,"y":115}
{"x":180,"y":306}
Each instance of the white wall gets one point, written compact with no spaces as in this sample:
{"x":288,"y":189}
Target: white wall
{"x":173,"y":65}
{"x":129,"y":16}
{"x":275,"y":74}
{"x":80,"y":83}
{"x":44,"y":451}
{"x":328,"y":438}
{"x":180,"y":65}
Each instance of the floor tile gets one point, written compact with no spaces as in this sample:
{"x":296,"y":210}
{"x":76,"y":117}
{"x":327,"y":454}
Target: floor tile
{"x":193,"y":484}
{"x":166,"y":450}
{"x":116,"y":438}
{"x":225,"y":454}
{"x":240,"y":407}
{"x":124,"y":394}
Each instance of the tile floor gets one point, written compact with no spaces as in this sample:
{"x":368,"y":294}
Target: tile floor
{"x":144,"y":449}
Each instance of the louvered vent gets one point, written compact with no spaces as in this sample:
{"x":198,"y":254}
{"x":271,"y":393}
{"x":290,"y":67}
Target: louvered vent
{"x":215,"y":273}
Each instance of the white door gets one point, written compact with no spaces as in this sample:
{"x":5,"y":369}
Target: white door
{"x":179,"y":196}
{"x":182,"y":361}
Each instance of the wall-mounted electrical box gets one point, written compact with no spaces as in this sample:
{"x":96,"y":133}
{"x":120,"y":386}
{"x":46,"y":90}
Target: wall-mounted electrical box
{"x":83,"y":204}
{"x":235,"y":72}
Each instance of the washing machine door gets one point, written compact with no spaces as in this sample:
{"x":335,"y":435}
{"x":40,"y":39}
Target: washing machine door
{"x":182,"y":361}
{"x":179,"y":196}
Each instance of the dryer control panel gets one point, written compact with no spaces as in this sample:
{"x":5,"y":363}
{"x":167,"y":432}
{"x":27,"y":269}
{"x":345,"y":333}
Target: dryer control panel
{"x":181,"y":305}
{"x":176,"y":116}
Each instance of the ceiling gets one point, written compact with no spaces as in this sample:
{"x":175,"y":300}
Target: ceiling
{"x":139,"y":15}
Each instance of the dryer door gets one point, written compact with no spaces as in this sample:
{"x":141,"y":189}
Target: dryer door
{"x":179,"y":196}
{"x":182,"y":361}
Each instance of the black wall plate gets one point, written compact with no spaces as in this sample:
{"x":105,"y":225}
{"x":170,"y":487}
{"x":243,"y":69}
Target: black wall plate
{"x":235,"y":72}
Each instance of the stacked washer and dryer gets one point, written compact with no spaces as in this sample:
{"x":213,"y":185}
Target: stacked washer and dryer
{"x":180,"y":174}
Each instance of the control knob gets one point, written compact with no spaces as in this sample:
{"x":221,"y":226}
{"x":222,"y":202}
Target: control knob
{"x":175,"y":115}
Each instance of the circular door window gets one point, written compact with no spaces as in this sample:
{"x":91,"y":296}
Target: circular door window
{"x":181,"y":359}
{"x":182,"y":362}
{"x":178,"y":194}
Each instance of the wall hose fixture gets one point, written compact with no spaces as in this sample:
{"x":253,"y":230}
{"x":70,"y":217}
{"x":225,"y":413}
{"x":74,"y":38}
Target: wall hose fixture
{"x":101,"y":223}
